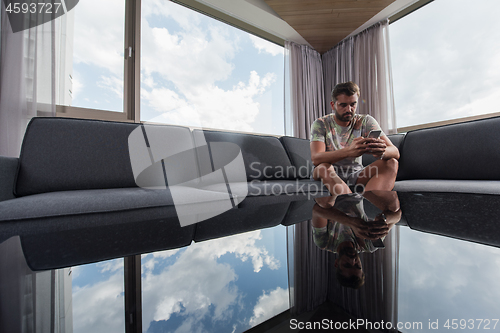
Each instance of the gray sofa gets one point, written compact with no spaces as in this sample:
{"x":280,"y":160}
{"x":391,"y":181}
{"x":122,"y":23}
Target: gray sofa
{"x":75,"y":173}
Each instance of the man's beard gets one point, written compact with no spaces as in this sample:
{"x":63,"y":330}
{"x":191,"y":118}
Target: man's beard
{"x":345,"y":117}
{"x":348,"y":251}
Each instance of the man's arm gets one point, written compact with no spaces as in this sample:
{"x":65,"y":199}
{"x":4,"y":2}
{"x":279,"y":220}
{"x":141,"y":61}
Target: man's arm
{"x":383,"y":147}
{"x":320,"y":155}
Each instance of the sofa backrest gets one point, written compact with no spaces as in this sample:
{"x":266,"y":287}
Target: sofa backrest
{"x":61,"y":154}
{"x":299,"y":152}
{"x":163,"y":154}
{"x":465,"y":151}
{"x":264,"y":156}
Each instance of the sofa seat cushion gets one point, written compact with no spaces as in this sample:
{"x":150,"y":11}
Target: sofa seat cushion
{"x":445,"y":185}
{"x":270,"y":187}
{"x":88,"y":203}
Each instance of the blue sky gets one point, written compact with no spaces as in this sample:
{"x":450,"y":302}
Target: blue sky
{"x":195,"y":71}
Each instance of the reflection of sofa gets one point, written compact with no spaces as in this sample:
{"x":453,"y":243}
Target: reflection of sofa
{"x":75,"y":173}
{"x":472,"y":217}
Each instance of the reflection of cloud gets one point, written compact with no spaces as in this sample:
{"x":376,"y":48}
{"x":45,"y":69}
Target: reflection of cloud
{"x":197,"y":285}
{"x":111,"y":266}
{"x":268,"y":305}
{"x":439,"y":275}
{"x":264,"y":46}
{"x":100,"y":307}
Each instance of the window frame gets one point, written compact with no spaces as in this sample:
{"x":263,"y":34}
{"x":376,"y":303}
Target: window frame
{"x":132,"y":65}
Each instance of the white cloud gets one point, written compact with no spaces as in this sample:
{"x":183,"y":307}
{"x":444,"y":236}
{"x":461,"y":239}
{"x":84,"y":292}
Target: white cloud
{"x":269,"y":305}
{"x":265,"y":46}
{"x":184,"y":72}
{"x":443,"y":68}
{"x":99,"y":307}
{"x":112,"y":83}
{"x":191,"y":59}
{"x":77,"y":85}
{"x":111,"y":265}
{"x":438,"y":275}
{"x":99,"y":34}
{"x":196,"y":282}
{"x":211,"y":107}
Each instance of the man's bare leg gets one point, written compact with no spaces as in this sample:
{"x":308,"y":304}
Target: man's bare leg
{"x":380,"y":175}
{"x":335,"y":185}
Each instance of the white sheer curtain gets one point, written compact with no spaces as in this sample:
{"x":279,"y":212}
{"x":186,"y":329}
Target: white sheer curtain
{"x":365,"y":59}
{"x":27,"y":79}
{"x":305,"y":93}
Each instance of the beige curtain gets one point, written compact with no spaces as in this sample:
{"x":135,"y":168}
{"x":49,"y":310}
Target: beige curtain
{"x":310,"y":78}
{"x":365,"y":59}
{"x":304,"y":95}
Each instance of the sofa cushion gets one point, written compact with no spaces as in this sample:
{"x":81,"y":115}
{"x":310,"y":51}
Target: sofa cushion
{"x":8,"y":168}
{"x":448,"y":185}
{"x":94,"y":202}
{"x":257,"y":188}
{"x":264,"y":157}
{"x":61,"y":154}
{"x":460,"y":151}
{"x":299,"y":152}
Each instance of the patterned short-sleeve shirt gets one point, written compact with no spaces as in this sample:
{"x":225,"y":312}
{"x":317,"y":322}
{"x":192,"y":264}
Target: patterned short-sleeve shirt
{"x":335,"y":137}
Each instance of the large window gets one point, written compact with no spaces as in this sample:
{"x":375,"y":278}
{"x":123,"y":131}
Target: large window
{"x":446,"y":61}
{"x":169,"y":65}
{"x":97,"y":78}
{"x":197,"y":71}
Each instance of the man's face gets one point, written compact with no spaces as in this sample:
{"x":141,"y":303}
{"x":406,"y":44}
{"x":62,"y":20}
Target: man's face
{"x":349,"y":263}
{"x":345,"y":107}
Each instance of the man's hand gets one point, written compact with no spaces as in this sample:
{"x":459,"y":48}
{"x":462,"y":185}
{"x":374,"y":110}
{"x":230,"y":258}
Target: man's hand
{"x":376,"y":147}
{"x":369,"y":229}
{"x":357,"y":147}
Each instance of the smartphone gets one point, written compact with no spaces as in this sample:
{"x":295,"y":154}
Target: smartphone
{"x":374,"y":134}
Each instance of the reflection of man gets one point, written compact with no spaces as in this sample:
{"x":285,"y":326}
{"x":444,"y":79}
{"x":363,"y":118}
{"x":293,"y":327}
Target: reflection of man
{"x":339,"y":139}
{"x":340,"y":225}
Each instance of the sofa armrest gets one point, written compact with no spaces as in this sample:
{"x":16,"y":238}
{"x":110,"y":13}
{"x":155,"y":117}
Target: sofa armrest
{"x":8,"y":169}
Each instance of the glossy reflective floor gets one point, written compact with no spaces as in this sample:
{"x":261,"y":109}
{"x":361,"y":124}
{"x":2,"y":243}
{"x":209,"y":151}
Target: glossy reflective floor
{"x":435,"y":269}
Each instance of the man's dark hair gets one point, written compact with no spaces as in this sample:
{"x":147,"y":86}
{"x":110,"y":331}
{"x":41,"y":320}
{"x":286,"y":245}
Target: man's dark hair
{"x":353,"y":281}
{"x":347,"y":88}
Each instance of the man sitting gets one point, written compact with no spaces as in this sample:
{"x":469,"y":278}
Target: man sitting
{"x":339,"y":139}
